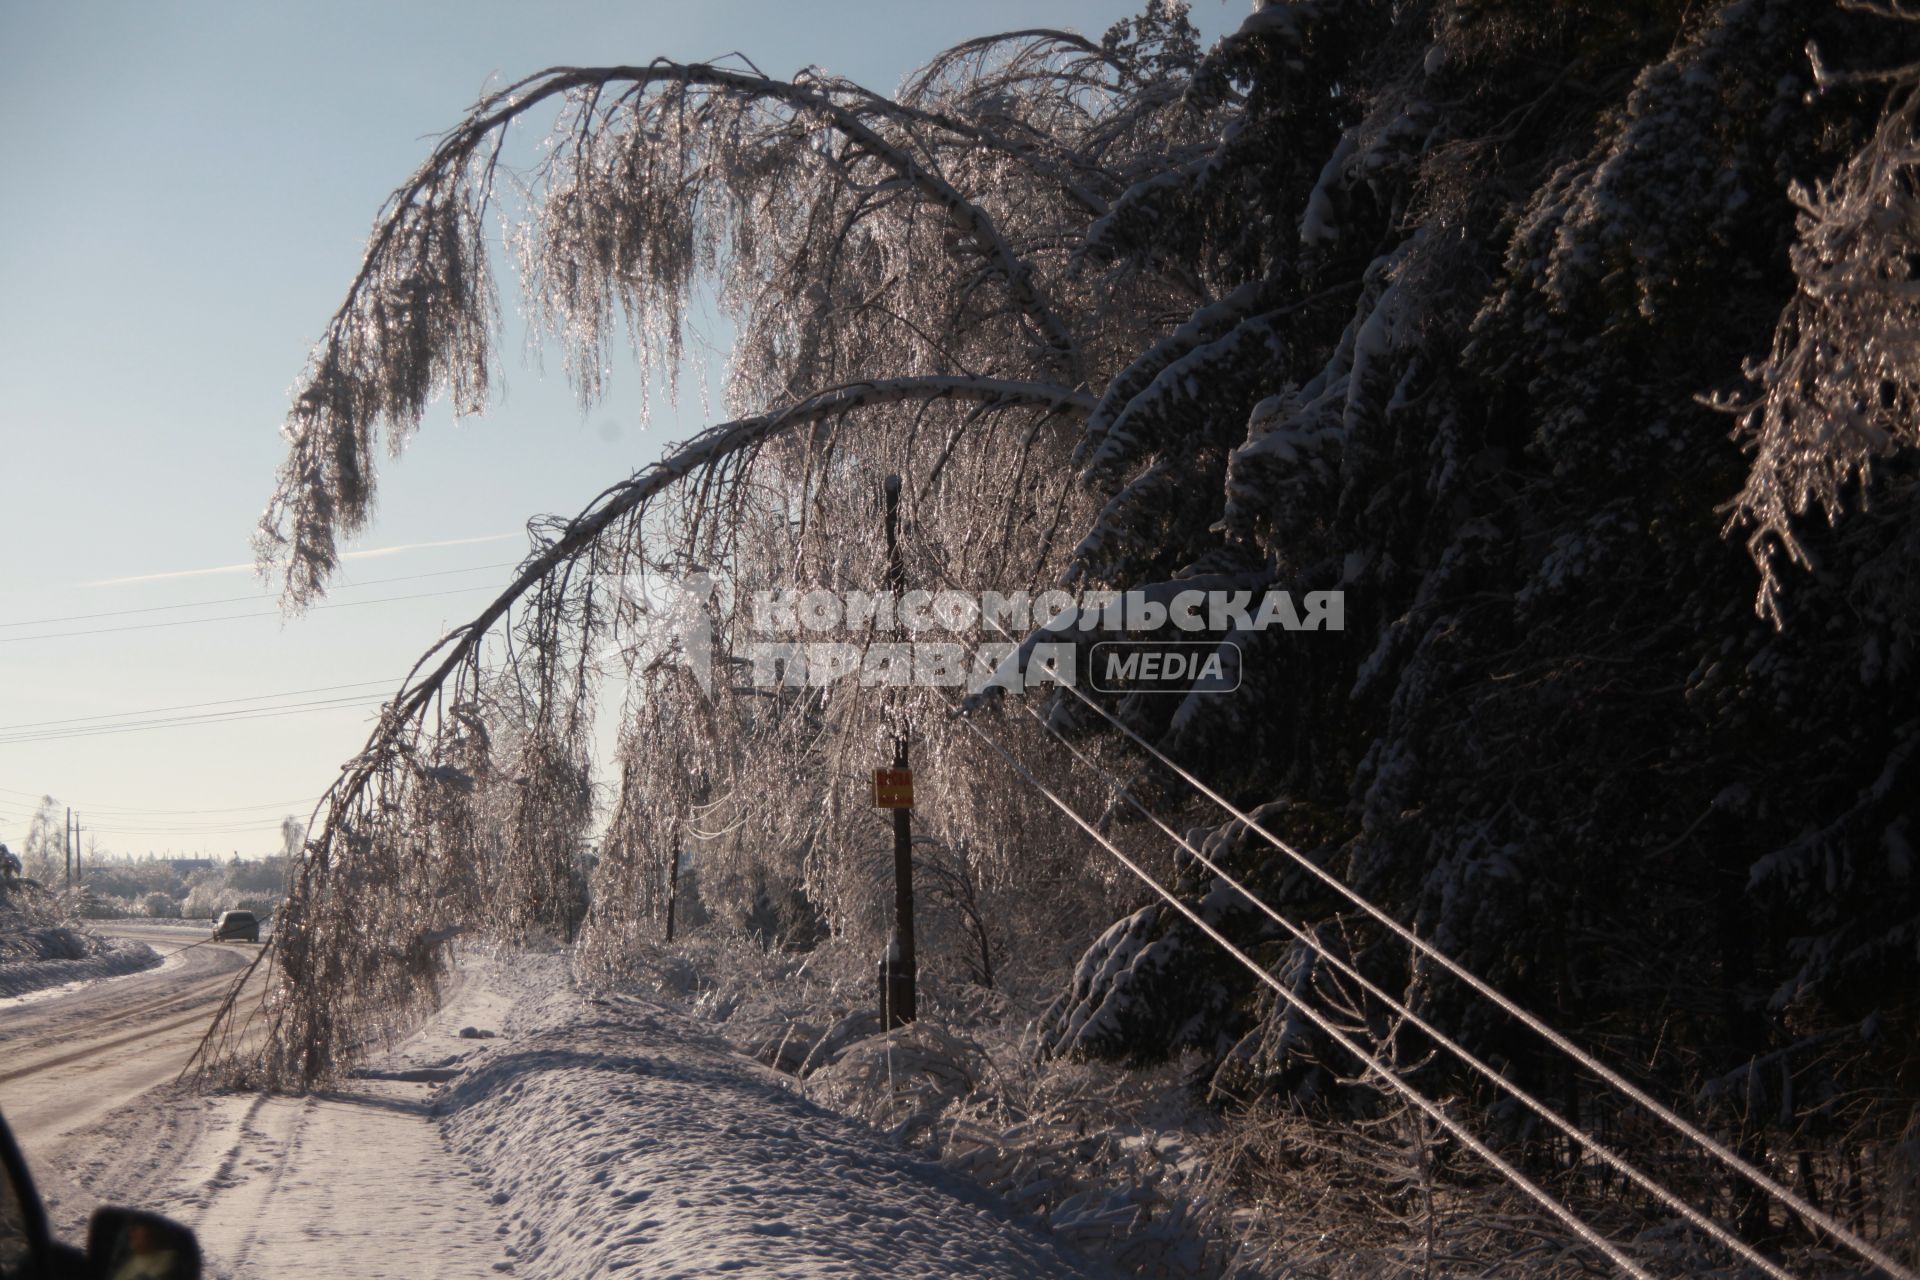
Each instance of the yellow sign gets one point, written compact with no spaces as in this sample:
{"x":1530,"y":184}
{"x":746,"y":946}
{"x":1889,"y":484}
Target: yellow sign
{"x":893,"y":788}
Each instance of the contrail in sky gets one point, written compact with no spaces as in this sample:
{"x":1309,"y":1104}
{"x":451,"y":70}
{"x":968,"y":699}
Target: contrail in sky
{"x":370,"y":553}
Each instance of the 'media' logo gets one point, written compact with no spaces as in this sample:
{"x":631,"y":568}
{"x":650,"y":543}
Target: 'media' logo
{"x":1165,"y":666}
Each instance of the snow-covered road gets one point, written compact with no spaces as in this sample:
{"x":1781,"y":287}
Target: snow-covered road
{"x":356,"y":1182}
{"x":589,"y":1137}
{"x":70,"y":1056}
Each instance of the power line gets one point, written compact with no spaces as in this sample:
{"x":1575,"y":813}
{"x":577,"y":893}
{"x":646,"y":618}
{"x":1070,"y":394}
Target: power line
{"x":227,"y":829}
{"x":37,"y":797}
{"x":188,"y":706}
{"x":116,"y":811}
{"x":229,"y":617}
{"x":1666,"y":1115}
{"x":128,"y":837}
{"x":180,"y":833}
{"x":1388,"y":1075}
{"x":178,"y":722}
{"x":207,"y":604}
{"x":117,"y":726}
{"x":123,"y":820}
{"x":1599,"y":1149}
{"x":177,"y":826}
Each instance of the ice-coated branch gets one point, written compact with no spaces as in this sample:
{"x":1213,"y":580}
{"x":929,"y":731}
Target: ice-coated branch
{"x":419,"y":314}
{"x":1838,"y":389}
{"x":705,"y":451}
{"x":408,"y":743}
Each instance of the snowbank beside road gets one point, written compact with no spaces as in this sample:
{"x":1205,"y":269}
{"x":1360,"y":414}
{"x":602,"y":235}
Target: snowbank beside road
{"x":618,"y":1135}
{"x":1102,"y":1157}
{"x":529,"y":1130}
{"x":38,"y":957}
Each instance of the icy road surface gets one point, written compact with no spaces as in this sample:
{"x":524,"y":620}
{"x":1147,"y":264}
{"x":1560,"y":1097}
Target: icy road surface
{"x":588,"y":1138}
{"x":69,"y":1056}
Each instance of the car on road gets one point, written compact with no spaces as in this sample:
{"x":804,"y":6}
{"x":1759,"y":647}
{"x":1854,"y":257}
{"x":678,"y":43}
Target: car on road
{"x":237,"y":926}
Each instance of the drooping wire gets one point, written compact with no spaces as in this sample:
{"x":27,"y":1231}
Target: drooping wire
{"x":1388,"y":1075}
{"x":1666,"y":1115}
{"x":1600,"y":1150}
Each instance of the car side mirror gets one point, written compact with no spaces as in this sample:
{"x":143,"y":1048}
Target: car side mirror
{"x":126,"y":1244}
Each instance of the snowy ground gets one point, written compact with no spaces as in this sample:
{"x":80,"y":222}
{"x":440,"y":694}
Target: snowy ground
{"x":71,"y":1055}
{"x":586,"y":1138}
{"x":665,"y":1153}
{"x":43,"y":959}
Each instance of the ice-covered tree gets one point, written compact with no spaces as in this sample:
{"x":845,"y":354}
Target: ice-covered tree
{"x":1444,"y":306}
{"x":43,"y":856}
{"x":907,"y":281}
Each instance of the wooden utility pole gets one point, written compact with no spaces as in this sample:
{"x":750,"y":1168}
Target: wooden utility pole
{"x":673,"y":883}
{"x":66,"y":845}
{"x":898,"y":968}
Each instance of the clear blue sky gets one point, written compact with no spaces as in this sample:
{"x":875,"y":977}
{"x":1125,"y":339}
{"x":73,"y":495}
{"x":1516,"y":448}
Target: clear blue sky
{"x":188,"y":189}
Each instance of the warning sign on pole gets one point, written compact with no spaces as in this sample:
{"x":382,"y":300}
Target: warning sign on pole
{"x":893,"y":788}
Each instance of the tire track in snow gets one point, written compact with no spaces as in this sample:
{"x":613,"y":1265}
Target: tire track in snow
{"x":247,"y":1182}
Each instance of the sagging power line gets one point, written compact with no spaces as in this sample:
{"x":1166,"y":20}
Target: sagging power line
{"x":1619,"y":1163}
{"x":1387,"y":1075}
{"x":1711,"y":1146}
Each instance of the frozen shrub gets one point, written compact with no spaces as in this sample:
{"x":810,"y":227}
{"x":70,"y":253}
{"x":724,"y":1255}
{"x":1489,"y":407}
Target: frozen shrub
{"x":902,"y":1080}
